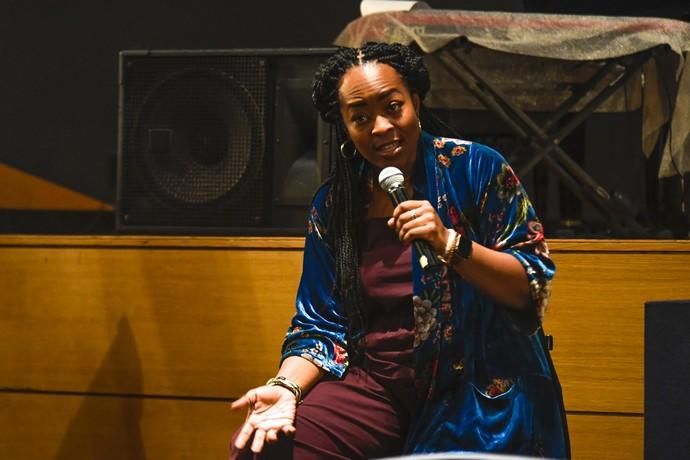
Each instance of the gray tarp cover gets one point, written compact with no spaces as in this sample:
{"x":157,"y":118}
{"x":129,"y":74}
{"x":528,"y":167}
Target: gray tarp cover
{"x":563,"y":38}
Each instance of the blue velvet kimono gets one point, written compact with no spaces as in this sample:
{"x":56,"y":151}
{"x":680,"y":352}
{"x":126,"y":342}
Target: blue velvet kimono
{"x":484,"y":380}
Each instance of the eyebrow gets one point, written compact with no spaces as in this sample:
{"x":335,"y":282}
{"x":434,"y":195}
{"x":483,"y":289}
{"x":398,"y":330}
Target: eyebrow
{"x":382,"y":95}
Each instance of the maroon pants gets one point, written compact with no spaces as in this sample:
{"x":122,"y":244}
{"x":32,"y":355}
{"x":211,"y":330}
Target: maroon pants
{"x":353,"y":418}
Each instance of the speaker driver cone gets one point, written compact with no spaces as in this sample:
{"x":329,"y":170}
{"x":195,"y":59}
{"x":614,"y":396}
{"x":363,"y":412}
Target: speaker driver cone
{"x":199,"y":134}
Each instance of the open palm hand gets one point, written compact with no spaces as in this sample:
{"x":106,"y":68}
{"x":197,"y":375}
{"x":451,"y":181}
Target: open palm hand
{"x":271,"y":412}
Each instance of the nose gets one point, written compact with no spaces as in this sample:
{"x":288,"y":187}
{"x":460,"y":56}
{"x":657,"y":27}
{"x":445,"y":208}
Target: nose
{"x":381,"y":125}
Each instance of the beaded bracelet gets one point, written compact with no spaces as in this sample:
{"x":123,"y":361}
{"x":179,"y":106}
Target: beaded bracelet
{"x":288,"y":384}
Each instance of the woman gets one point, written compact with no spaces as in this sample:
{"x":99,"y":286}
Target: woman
{"x":391,"y":357}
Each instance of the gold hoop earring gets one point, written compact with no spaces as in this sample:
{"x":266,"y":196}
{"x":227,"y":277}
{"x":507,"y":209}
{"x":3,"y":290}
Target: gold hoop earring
{"x":342,"y":151}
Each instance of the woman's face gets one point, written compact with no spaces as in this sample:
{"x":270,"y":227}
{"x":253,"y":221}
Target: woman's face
{"x":380,"y":115}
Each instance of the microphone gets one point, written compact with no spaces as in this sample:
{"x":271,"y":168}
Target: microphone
{"x":391,"y":180}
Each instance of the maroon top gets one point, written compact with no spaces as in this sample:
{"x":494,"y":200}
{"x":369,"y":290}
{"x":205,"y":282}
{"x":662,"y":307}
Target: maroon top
{"x":386,"y":274}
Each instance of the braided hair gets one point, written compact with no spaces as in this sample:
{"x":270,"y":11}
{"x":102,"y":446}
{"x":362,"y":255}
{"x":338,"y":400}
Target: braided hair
{"x":347,"y":182}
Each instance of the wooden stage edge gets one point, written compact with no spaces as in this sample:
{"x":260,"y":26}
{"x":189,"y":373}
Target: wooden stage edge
{"x":287,"y":242}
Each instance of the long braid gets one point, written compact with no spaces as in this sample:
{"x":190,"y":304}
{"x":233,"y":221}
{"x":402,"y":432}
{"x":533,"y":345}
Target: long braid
{"x":343,"y":226}
{"x":347,"y":181}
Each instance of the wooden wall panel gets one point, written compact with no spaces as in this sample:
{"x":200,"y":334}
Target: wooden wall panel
{"x":176,"y":320}
{"x":158,"y":321}
{"x":68,"y":427}
{"x":606,"y":437}
{"x":204,"y":317}
{"x":597,"y":319}
{"x":40,"y":427}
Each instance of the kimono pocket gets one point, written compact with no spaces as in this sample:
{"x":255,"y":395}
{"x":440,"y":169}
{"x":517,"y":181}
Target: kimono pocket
{"x":485,"y":418}
{"x":496,"y":409}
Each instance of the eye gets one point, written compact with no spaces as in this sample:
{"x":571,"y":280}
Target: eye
{"x":359,"y":118}
{"x":395,"y":106}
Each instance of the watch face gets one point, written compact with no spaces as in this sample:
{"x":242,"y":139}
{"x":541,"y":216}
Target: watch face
{"x":465,"y":248}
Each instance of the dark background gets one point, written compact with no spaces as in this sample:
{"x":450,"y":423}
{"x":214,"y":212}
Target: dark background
{"x":58,"y":91}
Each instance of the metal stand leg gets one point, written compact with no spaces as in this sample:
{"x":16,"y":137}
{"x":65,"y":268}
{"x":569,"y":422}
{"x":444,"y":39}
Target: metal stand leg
{"x":545,"y":140}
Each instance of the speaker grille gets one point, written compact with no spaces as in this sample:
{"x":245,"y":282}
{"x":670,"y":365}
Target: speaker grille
{"x":666,"y":379}
{"x":193,"y":141}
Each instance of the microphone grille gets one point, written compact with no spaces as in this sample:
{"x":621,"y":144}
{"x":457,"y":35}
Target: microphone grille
{"x":390,"y":177}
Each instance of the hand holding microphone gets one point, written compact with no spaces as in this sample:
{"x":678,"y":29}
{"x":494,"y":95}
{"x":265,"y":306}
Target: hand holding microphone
{"x":392,"y":181}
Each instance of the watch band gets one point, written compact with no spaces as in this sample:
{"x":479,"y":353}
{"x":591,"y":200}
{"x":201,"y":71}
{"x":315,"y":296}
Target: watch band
{"x":465,"y":248}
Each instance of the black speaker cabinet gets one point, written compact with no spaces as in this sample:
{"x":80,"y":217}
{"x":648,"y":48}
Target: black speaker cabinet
{"x":667,"y":380}
{"x":219,"y":141}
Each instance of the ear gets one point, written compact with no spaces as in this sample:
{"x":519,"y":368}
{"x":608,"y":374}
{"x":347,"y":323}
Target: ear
{"x":344,"y":135}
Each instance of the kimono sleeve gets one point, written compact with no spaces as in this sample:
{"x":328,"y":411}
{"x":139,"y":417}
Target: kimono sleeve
{"x":318,"y":329}
{"x":508,"y":223}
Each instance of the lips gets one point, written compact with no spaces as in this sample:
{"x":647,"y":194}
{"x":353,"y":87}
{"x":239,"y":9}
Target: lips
{"x":388,"y":147}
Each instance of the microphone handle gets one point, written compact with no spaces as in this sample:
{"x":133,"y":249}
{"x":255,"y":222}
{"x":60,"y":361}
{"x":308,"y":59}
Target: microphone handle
{"x":427,"y":256}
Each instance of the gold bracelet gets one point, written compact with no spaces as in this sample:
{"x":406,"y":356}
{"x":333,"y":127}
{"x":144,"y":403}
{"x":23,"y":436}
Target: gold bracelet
{"x":288,"y":384}
{"x":451,"y":248}
{"x":449,"y":245}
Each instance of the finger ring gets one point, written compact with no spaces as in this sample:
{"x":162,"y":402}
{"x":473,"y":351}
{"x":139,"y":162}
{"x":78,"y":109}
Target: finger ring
{"x":414,"y":215}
